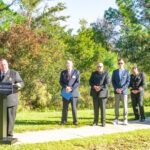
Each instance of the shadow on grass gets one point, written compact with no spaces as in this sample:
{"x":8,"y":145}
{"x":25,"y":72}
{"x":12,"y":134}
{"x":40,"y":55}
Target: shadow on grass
{"x":85,"y":118}
{"x":147,"y":114}
{"x":82,"y":120}
{"x":36,"y":122}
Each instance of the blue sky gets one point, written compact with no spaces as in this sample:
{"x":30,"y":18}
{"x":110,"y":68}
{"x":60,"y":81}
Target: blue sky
{"x":91,"y":10}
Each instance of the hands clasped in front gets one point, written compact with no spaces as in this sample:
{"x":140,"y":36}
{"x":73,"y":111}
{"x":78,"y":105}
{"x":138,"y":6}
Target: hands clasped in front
{"x":97,"y":88}
{"x":68,"y":89}
{"x":119,"y":91}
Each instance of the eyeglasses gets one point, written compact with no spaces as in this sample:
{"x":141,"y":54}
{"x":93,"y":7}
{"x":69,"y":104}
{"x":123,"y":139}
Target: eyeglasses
{"x":99,"y":66}
{"x":120,"y":63}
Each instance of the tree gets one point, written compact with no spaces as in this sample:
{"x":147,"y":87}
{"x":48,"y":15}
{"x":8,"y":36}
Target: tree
{"x":133,"y":33}
{"x":8,"y":16}
{"x":36,"y":49}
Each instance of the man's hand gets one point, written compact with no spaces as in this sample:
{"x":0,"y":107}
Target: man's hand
{"x":119,"y":91}
{"x":68,"y":89}
{"x":135,"y":91}
{"x":97,"y":88}
{"x":17,"y":85}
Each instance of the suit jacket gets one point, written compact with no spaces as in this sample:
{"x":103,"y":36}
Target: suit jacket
{"x":122,"y":83}
{"x":74,"y":81}
{"x":101,"y":80}
{"x":12,"y":76}
{"x":137,"y":82}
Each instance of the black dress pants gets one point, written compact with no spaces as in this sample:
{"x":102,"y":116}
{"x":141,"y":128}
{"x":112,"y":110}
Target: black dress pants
{"x":73,"y":102}
{"x":99,"y":104}
{"x":11,"y":115}
{"x":138,"y":106}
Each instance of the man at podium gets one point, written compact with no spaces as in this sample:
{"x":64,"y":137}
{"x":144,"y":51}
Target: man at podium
{"x":10,"y":76}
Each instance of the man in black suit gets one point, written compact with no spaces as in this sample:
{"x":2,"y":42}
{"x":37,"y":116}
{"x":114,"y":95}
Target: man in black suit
{"x":11,"y":76}
{"x":137,"y":85}
{"x":99,"y":82}
{"x":70,"y":80}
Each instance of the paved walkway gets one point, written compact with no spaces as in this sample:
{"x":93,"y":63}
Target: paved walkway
{"x":81,"y":132}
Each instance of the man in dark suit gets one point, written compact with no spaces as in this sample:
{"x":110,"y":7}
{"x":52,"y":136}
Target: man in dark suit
{"x":70,"y":80}
{"x":11,"y":76}
{"x":137,"y":85}
{"x":99,"y":82}
{"x":121,"y":81}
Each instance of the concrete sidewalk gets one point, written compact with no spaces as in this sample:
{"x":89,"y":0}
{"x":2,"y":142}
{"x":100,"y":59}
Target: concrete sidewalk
{"x":81,"y":132}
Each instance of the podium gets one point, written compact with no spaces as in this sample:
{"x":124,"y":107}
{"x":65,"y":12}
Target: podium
{"x":5,"y":89}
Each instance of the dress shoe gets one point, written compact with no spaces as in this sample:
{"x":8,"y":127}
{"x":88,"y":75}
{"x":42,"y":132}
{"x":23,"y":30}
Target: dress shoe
{"x":142,"y":120}
{"x":62,"y":123}
{"x":94,"y":124}
{"x":75,"y":123}
{"x":10,"y":135}
{"x":135,"y":119}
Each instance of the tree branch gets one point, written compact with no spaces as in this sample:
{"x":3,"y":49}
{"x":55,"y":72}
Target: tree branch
{"x":5,"y":8}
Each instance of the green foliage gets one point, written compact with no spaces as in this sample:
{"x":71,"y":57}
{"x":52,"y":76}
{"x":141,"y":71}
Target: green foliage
{"x":9,"y":17}
{"x":132,"y":41}
{"x":37,"y":54}
{"x":38,"y":47}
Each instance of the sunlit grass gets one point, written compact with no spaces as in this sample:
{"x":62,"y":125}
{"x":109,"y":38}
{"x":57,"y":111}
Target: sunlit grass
{"x":135,"y":140}
{"x":33,"y":121}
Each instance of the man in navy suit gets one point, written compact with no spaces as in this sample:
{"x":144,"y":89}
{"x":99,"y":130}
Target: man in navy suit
{"x":121,"y":81}
{"x":70,"y":80}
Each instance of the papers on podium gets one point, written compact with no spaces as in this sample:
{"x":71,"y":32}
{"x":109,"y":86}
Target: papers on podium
{"x":66,"y":95}
{"x":6,"y":88}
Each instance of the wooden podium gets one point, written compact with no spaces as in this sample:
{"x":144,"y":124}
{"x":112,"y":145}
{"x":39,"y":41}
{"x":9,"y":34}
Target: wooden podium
{"x":5,"y":89}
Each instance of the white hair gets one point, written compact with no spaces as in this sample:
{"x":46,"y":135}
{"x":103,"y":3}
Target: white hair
{"x":4,"y":60}
{"x":70,"y":62}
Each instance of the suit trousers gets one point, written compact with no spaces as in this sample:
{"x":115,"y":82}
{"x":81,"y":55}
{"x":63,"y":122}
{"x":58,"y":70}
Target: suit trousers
{"x":73,"y":102}
{"x":11,"y":115}
{"x":99,"y":104}
{"x":124,"y":99}
{"x":137,"y":101}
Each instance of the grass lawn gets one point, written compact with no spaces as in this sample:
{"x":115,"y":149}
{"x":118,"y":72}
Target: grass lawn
{"x":135,"y":140}
{"x":33,"y":121}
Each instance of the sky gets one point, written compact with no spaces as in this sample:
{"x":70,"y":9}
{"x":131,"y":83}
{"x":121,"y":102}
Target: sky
{"x":91,"y":10}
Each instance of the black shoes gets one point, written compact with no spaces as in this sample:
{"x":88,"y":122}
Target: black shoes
{"x":62,"y":123}
{"x":142,"y":120}
{"x":75,"y":123}
{"x":135,"y":119}
{"x":94,"y":124}
{"x":10,"y":135}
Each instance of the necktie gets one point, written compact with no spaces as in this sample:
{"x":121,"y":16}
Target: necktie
{"x":69,"y":75}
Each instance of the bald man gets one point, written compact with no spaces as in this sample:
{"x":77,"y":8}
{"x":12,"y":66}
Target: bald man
{"x":99,"y":82}
{"x":70,"y":80}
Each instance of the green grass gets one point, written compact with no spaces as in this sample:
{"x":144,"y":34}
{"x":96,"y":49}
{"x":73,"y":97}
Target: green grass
{"x":135,"y":140}
{"x":34,"y":121}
